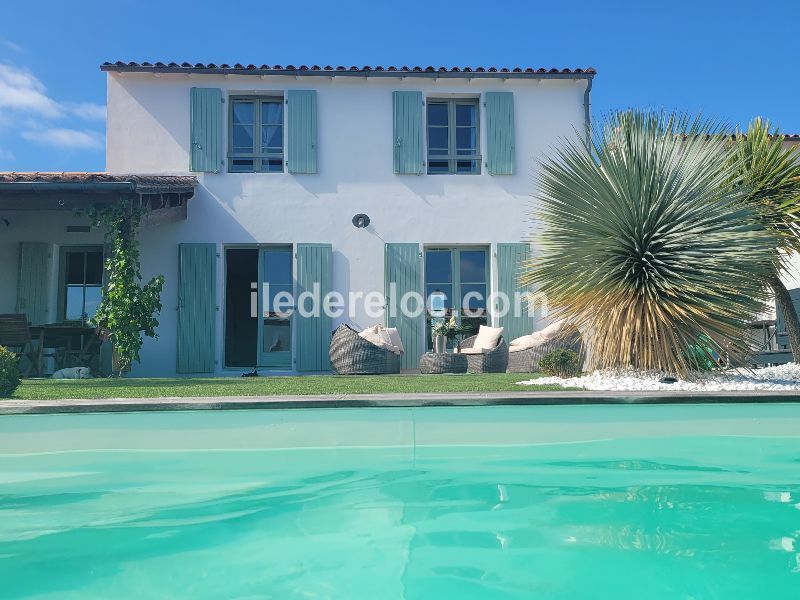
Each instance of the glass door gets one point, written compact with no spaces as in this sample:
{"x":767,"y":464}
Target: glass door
{"x":275,"y":305}
{"x":457,"y":281}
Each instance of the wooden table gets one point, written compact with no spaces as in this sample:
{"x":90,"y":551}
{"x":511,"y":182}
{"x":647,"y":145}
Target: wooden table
{"x":78,"y":344}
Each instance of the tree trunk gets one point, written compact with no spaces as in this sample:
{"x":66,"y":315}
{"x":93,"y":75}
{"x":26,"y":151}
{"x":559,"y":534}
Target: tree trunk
{"x":784,"y":306}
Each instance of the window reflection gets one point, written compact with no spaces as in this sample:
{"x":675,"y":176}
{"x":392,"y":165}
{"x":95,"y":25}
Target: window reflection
{"x":82,"y":278}
{"x":456,"y":279}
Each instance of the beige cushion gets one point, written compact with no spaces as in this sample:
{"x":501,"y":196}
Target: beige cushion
{"x":551,"y":331}
{"x":394,"y":338}
{"x":473,"y":351}
{"x":380,"y":337}
{"x":371,"y":334}
{"x":526,"y":342}
{"x":488,"y":337}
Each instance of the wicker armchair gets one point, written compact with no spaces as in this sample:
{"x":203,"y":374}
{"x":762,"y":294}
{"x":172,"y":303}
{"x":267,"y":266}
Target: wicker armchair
{"x":351,"y":354}
{"x":527,"y":361}
{"x":491,"y":361}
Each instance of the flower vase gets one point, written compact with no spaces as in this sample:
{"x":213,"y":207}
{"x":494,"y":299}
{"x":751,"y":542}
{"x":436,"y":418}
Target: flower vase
{"x":440,"y":344}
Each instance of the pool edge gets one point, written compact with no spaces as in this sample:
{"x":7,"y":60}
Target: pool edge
{"x":15,"y":406}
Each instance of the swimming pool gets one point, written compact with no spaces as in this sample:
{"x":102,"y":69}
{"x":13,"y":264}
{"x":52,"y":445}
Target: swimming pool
{"x":690,"y":501}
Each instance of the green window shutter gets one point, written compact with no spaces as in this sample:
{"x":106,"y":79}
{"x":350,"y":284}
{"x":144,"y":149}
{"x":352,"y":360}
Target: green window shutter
{"x":511,"y":260}
{"x":33,"y":284}
{"x":206,"y":130}
{"x":407,"y":133}
{"x":313,"y":337}
{"x":402,"y":268}
{"x":197,"y":307}
{"x":500,"y":133}
{"x":302,"y":131}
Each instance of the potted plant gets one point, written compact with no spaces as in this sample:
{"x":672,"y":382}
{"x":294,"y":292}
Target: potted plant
{"x":444,"y":329}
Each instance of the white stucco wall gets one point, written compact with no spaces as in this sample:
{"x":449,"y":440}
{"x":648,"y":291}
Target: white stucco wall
{"x":148,"y":132}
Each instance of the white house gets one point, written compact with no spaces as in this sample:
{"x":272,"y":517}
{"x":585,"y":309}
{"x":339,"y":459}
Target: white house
{"x":269,"y":175}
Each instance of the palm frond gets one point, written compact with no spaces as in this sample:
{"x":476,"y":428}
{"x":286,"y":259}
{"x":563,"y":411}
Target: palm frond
{"x":646,"y":246}
{"x":772,"y":174}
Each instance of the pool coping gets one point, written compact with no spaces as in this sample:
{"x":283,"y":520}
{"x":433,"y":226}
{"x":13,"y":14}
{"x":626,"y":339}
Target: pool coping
{"x":15,"y":406}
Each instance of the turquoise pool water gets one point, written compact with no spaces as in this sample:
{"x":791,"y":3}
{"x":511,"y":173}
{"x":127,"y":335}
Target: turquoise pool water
{"x":680,"y":502}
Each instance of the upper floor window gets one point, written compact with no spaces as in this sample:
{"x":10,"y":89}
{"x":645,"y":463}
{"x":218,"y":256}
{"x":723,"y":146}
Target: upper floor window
{"x":255,"y":135}
{"x":453,"y":136}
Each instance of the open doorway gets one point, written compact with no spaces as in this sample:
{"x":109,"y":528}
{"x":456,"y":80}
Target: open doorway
{"x":241,"y":316}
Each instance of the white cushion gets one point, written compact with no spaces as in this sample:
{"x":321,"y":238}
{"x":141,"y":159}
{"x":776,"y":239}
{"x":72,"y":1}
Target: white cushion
{"x":488,"y":337}
{"x":371,"y":335}
{"x":380,"y":337}
{"x":394,"y":338}
{"x":551,"y":331}
{"x":472,"y":351}
{"x":526,"y":342}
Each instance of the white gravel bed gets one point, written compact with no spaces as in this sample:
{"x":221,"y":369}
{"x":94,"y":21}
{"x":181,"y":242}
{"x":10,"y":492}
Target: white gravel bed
{"x":782,"y":378}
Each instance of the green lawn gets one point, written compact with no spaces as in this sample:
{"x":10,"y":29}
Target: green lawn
{"x":45,"y":389}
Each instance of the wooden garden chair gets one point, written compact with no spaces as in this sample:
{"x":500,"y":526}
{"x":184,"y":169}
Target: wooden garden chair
{"x":16,"y":335}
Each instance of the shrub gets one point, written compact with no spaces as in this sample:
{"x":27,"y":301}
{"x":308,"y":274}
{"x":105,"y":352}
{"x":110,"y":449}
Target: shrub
{"x":561,"y":363}
{"x":701,"y":356}
{"x":9,"y":372}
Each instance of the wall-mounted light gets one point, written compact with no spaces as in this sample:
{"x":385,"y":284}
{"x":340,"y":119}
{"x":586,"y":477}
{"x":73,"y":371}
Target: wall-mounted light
{"x":361,"y":220}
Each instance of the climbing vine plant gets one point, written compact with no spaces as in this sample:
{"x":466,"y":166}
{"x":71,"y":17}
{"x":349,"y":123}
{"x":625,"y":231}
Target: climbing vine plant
{"x":128,"y":308}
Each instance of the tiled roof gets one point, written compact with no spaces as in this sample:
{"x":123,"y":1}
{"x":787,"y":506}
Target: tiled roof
{"x":140,"y":183}
{"x":390,"y":71}
{"x":787,"y":137}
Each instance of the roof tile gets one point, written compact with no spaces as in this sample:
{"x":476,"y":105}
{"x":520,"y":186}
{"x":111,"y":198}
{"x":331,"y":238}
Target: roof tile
{"x":141,"y":181}
{"x":292,"y":69}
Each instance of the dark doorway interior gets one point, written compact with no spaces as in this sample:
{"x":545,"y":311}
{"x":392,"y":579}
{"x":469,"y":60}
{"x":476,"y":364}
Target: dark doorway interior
{"x":241,"y":324}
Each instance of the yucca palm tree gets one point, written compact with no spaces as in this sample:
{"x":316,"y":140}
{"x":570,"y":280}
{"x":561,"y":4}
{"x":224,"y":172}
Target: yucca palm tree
{"x":772,"y":175}
{"x":645,"y":245}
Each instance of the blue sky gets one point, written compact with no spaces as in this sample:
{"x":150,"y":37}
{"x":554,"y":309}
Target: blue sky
{"x":732,"y":60}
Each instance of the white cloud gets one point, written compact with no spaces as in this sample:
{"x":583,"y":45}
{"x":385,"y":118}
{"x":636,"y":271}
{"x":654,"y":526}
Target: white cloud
{"x":20,"y":90}
{"x":86,"y":110}
{"x":61,"y":137}
{"x":26,"y":107}
{"x":12,"y":45}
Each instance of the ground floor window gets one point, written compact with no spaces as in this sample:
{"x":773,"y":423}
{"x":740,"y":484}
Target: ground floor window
{"x":81,"y":277}
{"x":457,"y":281}
{"x":257,"y":335}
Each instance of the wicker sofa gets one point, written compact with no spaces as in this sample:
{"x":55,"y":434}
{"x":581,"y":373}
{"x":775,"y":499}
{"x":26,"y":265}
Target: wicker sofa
{"x":527,"y":361}
{"x":351,"y":354}
{"x":491,"y":361}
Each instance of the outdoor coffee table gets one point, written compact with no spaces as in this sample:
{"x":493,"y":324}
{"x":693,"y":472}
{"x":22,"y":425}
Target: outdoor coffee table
{"x":434,"y":363}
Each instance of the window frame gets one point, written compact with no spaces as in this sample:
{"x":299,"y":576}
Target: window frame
{"x":452,"y":157}
{"x":257,"y":157}
{"x":62,"y":277}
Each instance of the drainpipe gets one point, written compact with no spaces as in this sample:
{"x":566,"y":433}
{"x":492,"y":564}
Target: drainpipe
{"x":587,"y":110}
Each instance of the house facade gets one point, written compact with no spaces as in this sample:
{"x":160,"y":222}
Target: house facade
{"x":368,"y":183}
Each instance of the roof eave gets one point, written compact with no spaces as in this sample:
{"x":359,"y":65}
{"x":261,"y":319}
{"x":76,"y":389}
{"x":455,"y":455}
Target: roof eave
{"x":582,"y":74}
{"x":43,"y":187}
